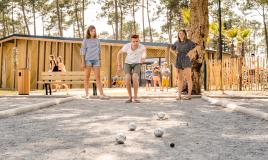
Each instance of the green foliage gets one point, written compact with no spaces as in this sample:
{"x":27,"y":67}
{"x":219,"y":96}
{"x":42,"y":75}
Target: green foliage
{"x":231,"y":34}
{"x":128,"y":29}
{"x":172,"y":9}
{"x":186,"y":16}
{"x":243,"y":34}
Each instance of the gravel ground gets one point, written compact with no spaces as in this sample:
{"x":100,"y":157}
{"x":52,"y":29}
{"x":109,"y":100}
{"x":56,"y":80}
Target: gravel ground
{"x":237,"y":93}
{"x":257,"y":104}
{"x":86,"y":129}
{"x":16,"y":101}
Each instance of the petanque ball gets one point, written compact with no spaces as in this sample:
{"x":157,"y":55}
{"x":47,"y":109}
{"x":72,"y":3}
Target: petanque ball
{"x":132,"y":126}
{"x":172,"y":145}
{"x":158,"y":132}
{"x":120,"y":138}
{"x":161,"y":115}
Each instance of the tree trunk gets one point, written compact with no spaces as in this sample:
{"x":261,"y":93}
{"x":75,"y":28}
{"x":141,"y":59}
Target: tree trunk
{"x":232,"y":49}
{"x":116,"y":19}
{"x":7,"y":28}
{"x":243,"y":49}
{"x":170,"y":26}
{"x":3,"y":23}
{"x":199,"y":32}
{"x":83,"y":19}
{"x":24,"y":17}
{"x":74,"y":29}
{"x":143,"y":31}
{"x":113,"y":30}
{"x":133,"y":14}
{"x":121,"y":20}
{"x":265,"y":30}
{"x":43,"y":24}
{"x":12,"y":18}
{"x":149,"y":22}
{"x":77,"y":19}
{"x":59,"y":19}
{"x":24,"y":30}
{"x":34,"y":16}
{"x":80,"y":18}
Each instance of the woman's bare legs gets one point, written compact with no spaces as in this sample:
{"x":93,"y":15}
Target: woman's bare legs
{"x":179,"y":81}
{"x":188,"y":77}
{"x":87,"y":76}
{"x":98,"y":81}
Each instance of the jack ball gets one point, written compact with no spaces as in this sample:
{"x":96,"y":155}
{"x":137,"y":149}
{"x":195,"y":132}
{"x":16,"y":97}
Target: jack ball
{"x":172,"y":145}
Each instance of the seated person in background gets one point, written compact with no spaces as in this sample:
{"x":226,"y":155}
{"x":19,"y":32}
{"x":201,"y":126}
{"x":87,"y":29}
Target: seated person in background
{"x":53,"y":67}
{"x":61,"y":68}
{"x":52,"y":63}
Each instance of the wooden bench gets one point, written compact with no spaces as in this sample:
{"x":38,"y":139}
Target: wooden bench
{"x":75,"y":77}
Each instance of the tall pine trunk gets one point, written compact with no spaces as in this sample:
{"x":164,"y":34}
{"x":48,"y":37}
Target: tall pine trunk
{"x":199,"y":32}
{"x":143,"y":30}
{"x":3,"y":23}
{"x":74,"y":30}
{"x":133,"y":14}
{"x":83,"y":19}
{"x":265,"y":30}
{"x":113,"y":30}
{"x":43,"y":24}
{"x":24,"y":17}
{"x":149,"y":21}
{"x":7,"y":28}
{"x":12,"y":18}
{"x":34,"y":16}
{"x":170,"y":26}
{"x":80,"y":17}
{"x":116,"y":18}
{"x":121,"y":20}
{"x":77,"y":20}
{"x":59,"y":19}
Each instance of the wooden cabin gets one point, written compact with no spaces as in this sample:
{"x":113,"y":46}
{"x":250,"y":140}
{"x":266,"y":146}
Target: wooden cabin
{"x":32,"y":52}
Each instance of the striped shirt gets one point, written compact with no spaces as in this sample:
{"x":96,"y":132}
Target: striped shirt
{"x":91,"y":49}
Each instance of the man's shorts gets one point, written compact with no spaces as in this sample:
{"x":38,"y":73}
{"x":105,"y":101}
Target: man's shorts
{"x":93,"y":63}
{"x":132,"y":68}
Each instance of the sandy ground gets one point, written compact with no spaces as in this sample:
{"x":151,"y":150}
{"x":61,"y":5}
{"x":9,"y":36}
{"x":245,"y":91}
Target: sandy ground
{"x":237,"y":93}
{"x":257,"y":104}
{"x":86,"y":129}
{"x":16,"y":101}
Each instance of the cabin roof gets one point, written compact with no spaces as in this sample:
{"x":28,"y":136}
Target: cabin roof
{"x":74,"y":40}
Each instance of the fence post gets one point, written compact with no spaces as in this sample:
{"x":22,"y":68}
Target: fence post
{"x":240,"y":73}
{"x":205,"y":75}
